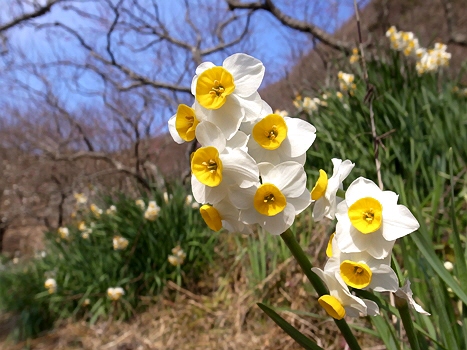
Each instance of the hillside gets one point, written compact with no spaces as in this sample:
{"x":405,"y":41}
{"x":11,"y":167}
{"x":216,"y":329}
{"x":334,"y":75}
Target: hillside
{"x":426,"y":19}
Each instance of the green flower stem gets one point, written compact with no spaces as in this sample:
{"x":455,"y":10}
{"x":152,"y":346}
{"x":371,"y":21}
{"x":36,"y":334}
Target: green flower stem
{"x":404,"y":312}
{"x":319,"y":286}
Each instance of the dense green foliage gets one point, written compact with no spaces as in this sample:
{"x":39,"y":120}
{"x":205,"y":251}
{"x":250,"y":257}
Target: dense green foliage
{"x":85,"y":268}
{"x":421,"y":118}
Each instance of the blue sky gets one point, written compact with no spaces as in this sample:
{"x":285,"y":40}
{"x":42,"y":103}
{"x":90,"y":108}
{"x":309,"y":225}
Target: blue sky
{"x":49,"y":51}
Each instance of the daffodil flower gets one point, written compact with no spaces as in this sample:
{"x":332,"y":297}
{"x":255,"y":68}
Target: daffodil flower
{"x":324,"y":193}
{"x":362,"y":271}
{"x":219,"y":165}
{"x":224,"y":215}
{"x":229,"y":92}
{"x":370,"y":219}
{"x":276,"y":139}
{"x":274,"y":202}
{"x":340,"y":302}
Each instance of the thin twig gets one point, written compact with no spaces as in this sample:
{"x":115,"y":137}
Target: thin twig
{"x":370,"y":92}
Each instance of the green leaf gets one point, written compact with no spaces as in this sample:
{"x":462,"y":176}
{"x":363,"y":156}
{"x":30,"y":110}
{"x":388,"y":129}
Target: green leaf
{"x":289,"y":329}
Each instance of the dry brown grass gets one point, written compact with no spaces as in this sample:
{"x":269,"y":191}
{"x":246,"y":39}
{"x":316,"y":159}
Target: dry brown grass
{"x":220,"y":313}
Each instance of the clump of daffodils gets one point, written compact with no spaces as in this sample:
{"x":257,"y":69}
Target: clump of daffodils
{"x":111,"y":210}
{"x":63,"y":232}
{"x":178,"y":256}
{"x":249,"y":171}
{"x":428,"y":60}
{"x":115,"y":293}
{"x":119,"y":243}
{"x":81,"y":198}
{"x":85,"y":231}
{"x":369,"y":221}
{"x":346,"y":82}
{"x":96,"y":210}
{"x":152,"y":211}
{"x":51,"y":285}
{"x":308,"y":104}
{"x":249,"y":168}
{"x":140,"y":203}
{"x":354,"y":57}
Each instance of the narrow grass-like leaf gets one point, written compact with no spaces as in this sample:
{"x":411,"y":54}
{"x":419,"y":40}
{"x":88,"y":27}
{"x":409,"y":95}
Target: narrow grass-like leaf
{"x":296,"y":335}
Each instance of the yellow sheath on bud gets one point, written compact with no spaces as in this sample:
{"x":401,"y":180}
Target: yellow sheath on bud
{"x":332,"y":306}
{"x":211,"y":217}
{"x":356,"y":274}
{"x":270,"y":131}
{"x":269,"y":200}
{"x":207,"y":166}
{"x":213,"y":86}
{"x":186,"y":122}
{"x":366,"y":215}
{"x":320,"y":187}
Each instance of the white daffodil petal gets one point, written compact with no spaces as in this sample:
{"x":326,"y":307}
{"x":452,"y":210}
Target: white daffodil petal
{"x":242,"y":198}
{"x":173,"y":131}
{"x":248,"y":73}
{"x":278,"y":223}
{"x":398,"y":223}
{"x":290,"y":178}
{"x":209,"y":134}
{"x":350,"y":240}
{"x":343,"y":168}
{"x":239,"y":166}
{"x":239,"y":140}
{"x":406,"y":293}
{"x":372,"y":308}
{"x":354,"y":192}
{"x":301,"y":135}
{"x":379,"y":248}
{"x":252,"y":106}
{"x":206,"y":194}
{"x":301,"y":202}
{"x":203,"y":66}
{"x":320,"y":208}
{"x":262,"y":155}
{"x":228,"y":117}
{"x":384,"y":279}
{"x":265,"y":109}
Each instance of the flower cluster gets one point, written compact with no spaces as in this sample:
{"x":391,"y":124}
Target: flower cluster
{"x":63,"y":232}
{"x":80,"y":198}
{"x":346,"y":82}
{"x":249,"y":168}
{"x":428,"y":60}
{"x":178,"y":256}
{"x":308,"y":104}
{"x":354,"y":57}
{"x":111,"y":210}
{"x":115,"y":293}
{"x":369,"y":221}
{"x":119,"y":243}
{"x":51,"y":285}
{"x":152,"y":211}
{"x":96,"y":210}
{"x":85,"y":231}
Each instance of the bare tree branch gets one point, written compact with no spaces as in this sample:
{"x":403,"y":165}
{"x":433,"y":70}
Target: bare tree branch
{"x":27,"y":16}
{"x":293,"y":23}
